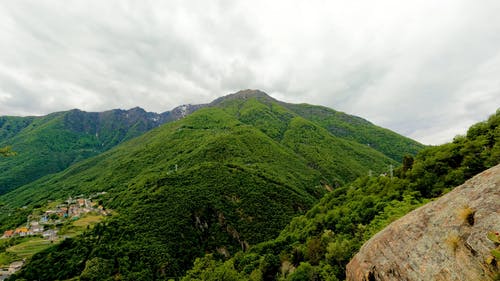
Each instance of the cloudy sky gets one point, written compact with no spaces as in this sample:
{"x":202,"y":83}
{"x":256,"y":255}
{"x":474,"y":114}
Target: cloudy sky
{"x":425,"y":69}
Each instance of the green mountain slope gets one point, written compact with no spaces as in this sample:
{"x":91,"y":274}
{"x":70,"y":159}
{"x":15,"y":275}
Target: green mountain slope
{"x":319,"y":244}
{"x":220,"y":180}
{"x":51,"y":143}
{"x":339,"y":124}
{"x":357,"y":129}
{"x":306,"y":138}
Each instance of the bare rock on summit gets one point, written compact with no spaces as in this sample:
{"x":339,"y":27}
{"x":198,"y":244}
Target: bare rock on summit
{"x":444,"y":240}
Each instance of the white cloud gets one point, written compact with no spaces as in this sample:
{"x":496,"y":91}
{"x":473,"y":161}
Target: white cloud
{"x":426,"y":69}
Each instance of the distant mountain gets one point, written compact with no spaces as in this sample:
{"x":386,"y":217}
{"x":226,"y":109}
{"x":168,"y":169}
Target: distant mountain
{"x":223,"y":178}
{"x":51,"y":143}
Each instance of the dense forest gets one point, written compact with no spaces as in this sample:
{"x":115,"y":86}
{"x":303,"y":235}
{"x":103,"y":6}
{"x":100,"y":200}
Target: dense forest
{"x":318,"y":245}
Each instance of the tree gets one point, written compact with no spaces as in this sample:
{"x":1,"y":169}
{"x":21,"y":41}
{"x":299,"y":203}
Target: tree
{"x":305,"y":272}
{"x":6,"y":151}
{"x":269,"y":266}
{"x":407,"y":162}
{"x":97,"y":269}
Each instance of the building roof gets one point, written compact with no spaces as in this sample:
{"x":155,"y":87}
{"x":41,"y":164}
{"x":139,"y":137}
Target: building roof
{"x":21,"y":229}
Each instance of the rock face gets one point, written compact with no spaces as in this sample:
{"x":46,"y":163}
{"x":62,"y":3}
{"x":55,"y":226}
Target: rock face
{"x":443,"y":240}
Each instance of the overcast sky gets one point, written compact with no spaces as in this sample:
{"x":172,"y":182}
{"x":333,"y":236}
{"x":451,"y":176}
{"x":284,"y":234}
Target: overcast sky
{"x":425,"y":69}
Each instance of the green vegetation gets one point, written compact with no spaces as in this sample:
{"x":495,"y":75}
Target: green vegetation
{"x":15,"y":249}
{"x":221,"y":183}
{"x":51,"y":143}
{"x":78,"y":226}
{"x":6,"y":151}
{"x":357,"y":129}
{"x":319,"y":244}
{"x":495,"y":238}
{"x":218,"y":185}
{"x":436,"y":169}
{"x":29,"y":247}
{"x":6,"y":257}
{"x":218,"y":181}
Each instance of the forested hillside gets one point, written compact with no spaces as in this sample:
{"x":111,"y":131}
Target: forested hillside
{"x":49,"y":144}
{"x":339,"y":124}
{"x":220,"y":180}
{"x":357,"y":129}
{"x":319,"y":244}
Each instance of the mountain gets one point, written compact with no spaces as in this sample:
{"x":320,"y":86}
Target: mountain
{"x":339,"y":124}
{"x":49,"y":144}
{"x":446,"y":239}
{"x":224,"y":178}
{"x":319,"y":244}
{"x":359,"y":130}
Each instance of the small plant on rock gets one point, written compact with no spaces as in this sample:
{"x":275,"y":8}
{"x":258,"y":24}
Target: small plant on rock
{"x":495,"y":237}
{"x":467,"y":215}
{"x":452,"y":241}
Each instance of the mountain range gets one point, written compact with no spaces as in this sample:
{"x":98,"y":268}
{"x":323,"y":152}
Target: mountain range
{"x":51,"y":143}
{"x":214,"y":178}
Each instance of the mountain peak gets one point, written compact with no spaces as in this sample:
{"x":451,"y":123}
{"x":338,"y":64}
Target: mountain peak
{"x":249,"y":93}
{"x":244,"y":94}
{"x":136,"y":109}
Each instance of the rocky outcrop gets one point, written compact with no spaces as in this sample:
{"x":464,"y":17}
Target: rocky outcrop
{"x":443,"y":240}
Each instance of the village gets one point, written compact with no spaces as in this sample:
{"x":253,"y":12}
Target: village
{"x":47,"y":224}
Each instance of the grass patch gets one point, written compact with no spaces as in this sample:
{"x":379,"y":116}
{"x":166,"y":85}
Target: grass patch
{"x":88,"y":220}
{"x":30,"y":247}
{"x":77,"y":227}
{"x":7,"y":258}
